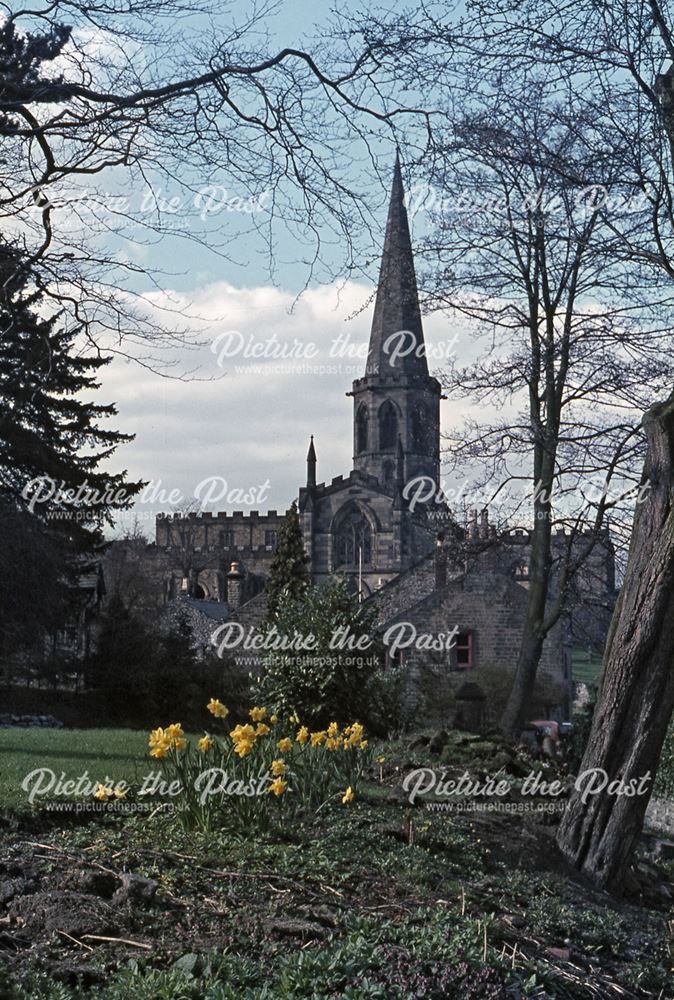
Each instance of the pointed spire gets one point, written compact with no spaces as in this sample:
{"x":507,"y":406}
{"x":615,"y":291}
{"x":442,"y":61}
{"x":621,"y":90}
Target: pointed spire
{"x":397,"y":302}
{"x":311,"y":464}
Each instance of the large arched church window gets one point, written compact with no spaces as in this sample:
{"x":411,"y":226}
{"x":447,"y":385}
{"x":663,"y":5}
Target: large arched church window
{"x":353,"y":541}
{"x":362,"y":421}
{"x":388,"y":426}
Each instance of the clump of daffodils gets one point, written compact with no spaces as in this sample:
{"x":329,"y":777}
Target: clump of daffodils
{"x":296,"y":764}
{"x":163,"y":740}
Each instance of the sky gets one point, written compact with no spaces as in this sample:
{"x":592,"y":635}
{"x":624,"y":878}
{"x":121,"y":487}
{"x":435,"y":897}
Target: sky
{"x":270,"y":361}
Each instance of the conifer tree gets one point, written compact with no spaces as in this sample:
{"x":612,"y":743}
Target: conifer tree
{"x":52,"y":447}
{"x":289,"y":575}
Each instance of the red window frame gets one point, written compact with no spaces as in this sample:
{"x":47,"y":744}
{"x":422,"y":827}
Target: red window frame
{"x":463,"y":648}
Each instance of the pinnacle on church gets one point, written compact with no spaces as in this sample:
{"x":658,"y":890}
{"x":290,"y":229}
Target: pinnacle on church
{"x":397,"y":302}
{"x":311,"y":464}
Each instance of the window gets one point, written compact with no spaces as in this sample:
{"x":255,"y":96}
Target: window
{"x":353,"y":542}
{"x":362,"y":421}
{"x":464,"y":650}
{"x":388,"y":426}
{"x":227,"y":538}
{"x":270,"y":540}
{"x":388,"y":470}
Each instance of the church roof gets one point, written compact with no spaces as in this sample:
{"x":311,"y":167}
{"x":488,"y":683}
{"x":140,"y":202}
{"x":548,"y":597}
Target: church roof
{"x":397,"y":302}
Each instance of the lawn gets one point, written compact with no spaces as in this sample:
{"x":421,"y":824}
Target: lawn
{"x":118,"y":754}
{"x":585,"y":668}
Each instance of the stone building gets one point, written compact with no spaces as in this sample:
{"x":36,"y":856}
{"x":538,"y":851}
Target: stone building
{"x":361,"y":526}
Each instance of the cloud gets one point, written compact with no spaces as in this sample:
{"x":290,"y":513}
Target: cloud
{"x":246,"y":415}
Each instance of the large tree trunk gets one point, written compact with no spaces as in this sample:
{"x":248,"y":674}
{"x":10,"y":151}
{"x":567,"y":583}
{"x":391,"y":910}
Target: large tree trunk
{"x":636,"y":693}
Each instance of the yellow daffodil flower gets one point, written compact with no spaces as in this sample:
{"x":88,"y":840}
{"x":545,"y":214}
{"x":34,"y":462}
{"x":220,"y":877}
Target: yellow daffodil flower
{"x":262,"y":729}
{"x":205,"y":744}
{"x":277,"y":768}
{"x":217,"y":709}
{"x":285,"y":745}
{"x":258,"y":714}
{"x":102,"y":793}
{"x":278,"y":786}
{"x":318,"y":738}
{"x":302,"y":735}
{"x":348,"y":795}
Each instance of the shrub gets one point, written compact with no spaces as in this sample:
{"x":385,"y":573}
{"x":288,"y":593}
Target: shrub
{"x":336,"y":652}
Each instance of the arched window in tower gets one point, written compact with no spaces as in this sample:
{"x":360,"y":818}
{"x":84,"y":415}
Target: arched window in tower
{"x":362,"y":421}
{"x":353,"y":541}
{"x":388,"y":426}
{"x":388,"y":472}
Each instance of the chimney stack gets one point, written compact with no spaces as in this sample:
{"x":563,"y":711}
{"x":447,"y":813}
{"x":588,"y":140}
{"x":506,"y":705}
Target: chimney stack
{"x":440,"y":563}
{"x":234,"y":585}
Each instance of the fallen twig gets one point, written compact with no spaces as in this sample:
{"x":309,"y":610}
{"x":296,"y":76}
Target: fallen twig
{"x":113,"y":940}
{"x":80,"y":944}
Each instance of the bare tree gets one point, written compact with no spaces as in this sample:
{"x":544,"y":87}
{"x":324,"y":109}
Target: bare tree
{"x":576,"y":343}
{"x":127,"y":122}
{"x":571,"y":310}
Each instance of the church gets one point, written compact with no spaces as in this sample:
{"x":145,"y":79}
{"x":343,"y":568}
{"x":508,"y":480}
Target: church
{"x":422,"y":568}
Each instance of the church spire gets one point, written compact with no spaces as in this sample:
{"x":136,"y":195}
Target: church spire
{"x":397,"y":302}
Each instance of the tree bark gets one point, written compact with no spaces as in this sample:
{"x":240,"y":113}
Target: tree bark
{"x":636,"y":694}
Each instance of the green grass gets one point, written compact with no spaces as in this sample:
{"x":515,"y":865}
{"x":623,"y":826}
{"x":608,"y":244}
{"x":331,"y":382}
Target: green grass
{"x":584,"y":669}
{"x":117,"y":754}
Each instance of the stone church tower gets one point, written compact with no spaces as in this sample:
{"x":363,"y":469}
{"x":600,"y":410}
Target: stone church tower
{"x":360,"y":526}
{"x":396,"y":405}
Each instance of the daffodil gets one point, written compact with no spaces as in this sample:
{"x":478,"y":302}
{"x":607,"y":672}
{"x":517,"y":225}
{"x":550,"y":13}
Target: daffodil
{"x":354,"y":733}
{"x":333,"y":729}
{"x":293,"y":720}
{"x":205,"y":743}
{"x":217,"y":709}
{"x":242,"y":733}
{"x":102,"y":793}
{"x":285,"y":745}
{"x":258,"y":714}
{"x":363,"y":745}
{"x":262,"y":729}
{"x":273,"y":719}
{"x":302,"y":735}
{"x":159,"y":742}
{"x":278,"y":786}
{"x":348,"y":795}
{"x":120,"y":793}
{"x":278,"y":768}
{"x":380,"y":760}
{"x":318,"y":738}
{"x":243,"y":748}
